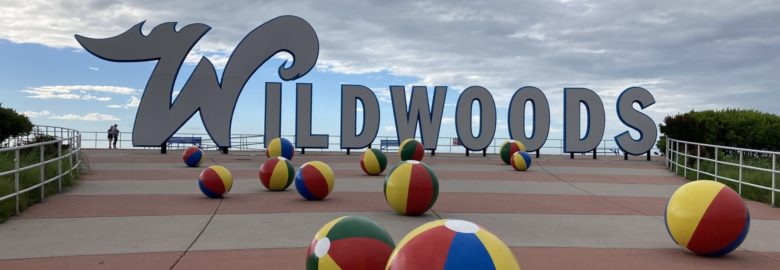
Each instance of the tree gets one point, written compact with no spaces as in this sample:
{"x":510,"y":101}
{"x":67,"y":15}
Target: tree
{"x":13,"y":124}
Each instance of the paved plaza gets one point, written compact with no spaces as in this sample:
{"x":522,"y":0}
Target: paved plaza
{"x":137,"y":209}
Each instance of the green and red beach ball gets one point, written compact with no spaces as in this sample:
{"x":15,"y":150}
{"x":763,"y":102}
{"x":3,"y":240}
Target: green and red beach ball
{"x":350,"y":242}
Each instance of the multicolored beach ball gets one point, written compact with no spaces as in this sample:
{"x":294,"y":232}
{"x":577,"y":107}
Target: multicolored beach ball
{"x":314,"y":180}
{"x":707,"y":218}
{"x":451,"y":244}
{"x":521,"y":161}
{"x":193,"y":156}
{"x":373,"y":161}
{"x":411,"y":149}
{"x":280,"y":147}
{"x":411,"y":188}
{"x":276,"y":173}
{"x":350,"y":243}
{"x":215,"y":181}
{"x":508,"y":148}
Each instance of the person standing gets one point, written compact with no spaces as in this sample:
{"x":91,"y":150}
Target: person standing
{"x":115,"y":134}
{"x":110,"y":133}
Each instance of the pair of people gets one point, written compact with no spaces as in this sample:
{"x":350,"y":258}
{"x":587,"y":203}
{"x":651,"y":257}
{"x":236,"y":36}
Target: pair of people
{"x":113,"y":136}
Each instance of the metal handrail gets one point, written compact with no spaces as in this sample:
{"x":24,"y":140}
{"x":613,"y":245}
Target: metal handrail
{"x":678,"y":158}
{"x":64,"y":136}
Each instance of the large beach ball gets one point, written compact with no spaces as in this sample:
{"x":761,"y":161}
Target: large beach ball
{"x":373,"y":161}
{"x":215,"y":181}
{"x":276,"y":173}
{"x":521,"y":161}
{"x":508,"y":148}
{"x":193,"y":156}
{"x":411,"y":149}
{"x":350,"y":243}
{"x":314,"y":180}
{"x":707,"y":218}
{"x":411,"y":188}
{"x":280,"y":147}
{"x":451,"y":244}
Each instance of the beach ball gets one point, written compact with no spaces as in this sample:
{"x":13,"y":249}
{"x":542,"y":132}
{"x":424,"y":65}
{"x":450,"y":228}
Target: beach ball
{"x":411,"y":149}
{"x":314,"y":180}
{"x":280,"y":147}
{"x":411,"y":188}
{"x":350,"y":243}
{"x":521,"y":161}
{"x":451,"y":244}
{"x":193,"y":156}
{"x":215,"y":181}
{"x":508,"y":148}
{"x":276,"y":173}
{"x":373,"y":161}
{"x":707,"y":218}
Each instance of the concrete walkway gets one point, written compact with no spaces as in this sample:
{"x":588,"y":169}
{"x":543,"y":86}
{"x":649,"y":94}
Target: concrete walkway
{"x":141,"y":210}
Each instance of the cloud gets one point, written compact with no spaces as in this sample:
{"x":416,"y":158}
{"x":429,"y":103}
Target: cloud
{"x":76,"y":92}
{"x":94,"y":69}
{"x":133,"y":102}
{"x":389,"y":128}
{"x":447,"y":120}
{"x":86,"y":117}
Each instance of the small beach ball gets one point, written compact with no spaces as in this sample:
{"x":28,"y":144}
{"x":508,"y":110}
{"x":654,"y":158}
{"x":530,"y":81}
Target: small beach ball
{"x":411,"y":149}
{"x":451,"y":244}
{"x":280,"y":147}
{"x":193,"y":156}
{"x":276,"y":173}
{"x":521,"y":161}
{"x":411,"y":188}
{"x":350,"y":243}
{"x":373,"y":161}
{"x":314,"y":180}
{"x":215,"y":181}
{"x":508,"y":148}
{"x":707,"y":218}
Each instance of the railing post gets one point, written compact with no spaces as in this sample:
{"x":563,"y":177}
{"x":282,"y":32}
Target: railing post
{"x":698,"y":161}
{"x":740,"y":172}
{"x":774,"y":172}
{"x":685,"y":162}
{"x":42,"y":170}
{"x":16,"y":179}
{"x":59,"y":166}
{"x":677,"y":157}
{"x":716,"y":163}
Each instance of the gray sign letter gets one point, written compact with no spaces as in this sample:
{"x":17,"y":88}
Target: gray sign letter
{"x":303,"y":136}
{"x":350,"y":95}
{"x":419,"y":111}
{"x":273,"y":112}
{"x":541,"y":120}
{"x":487,"y":114}
{"x":572,"y":98}
{"x":636,"y":120}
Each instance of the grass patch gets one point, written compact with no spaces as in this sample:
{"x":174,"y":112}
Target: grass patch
{"x":753,"y":176}
{"x":31,"y":177}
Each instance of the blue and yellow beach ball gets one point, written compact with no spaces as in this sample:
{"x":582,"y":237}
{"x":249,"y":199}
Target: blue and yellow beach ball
{"x":411,"y":188}
{"x":707,"y":218}
{"x":193,"y":156}
{"x":373,"y":161}
{"x":521,"y":161}
{"x":280,"y":147}
{"x":411,"y":149}
{"x":276,"y":174}
{"x":508,"y":148}
{"x":314,"y":180}
{"x":215,"y":181}
{"x":350,"y":242}
{"x":451,"y":244}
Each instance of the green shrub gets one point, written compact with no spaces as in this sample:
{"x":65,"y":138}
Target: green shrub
{"x":729,"y":127}
{"x":13,"y":124}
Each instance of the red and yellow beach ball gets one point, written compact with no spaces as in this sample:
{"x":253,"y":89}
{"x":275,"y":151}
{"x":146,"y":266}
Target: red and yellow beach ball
{"x":314,"y":180}
{"x":707,"y":218}
{"x":508,"y":148}
{"x":451,"y":244}
{"x":215,"y":181}
{"x":373,"y":161}
{"x":193,"y":156}
{"x":411,"y":188}
{"x":411,"y":149}
{"x":521,"y":161}
{"x":276,"y":174}
{"x":350,"y":242}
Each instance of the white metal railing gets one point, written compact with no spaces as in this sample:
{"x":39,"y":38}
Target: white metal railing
{"x":63,"y":137}
{"x":681,"y":153}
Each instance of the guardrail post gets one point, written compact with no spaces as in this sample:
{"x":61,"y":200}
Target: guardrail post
{"x":685,"y":162}
{"x":740,"y":172}
{"x":59,"y":166}
{"x":774,"y":172}
{"x":42,"y":170}
{"x":716,"y":163}
{"x":698,"y":161}
{"x":16,"y":179}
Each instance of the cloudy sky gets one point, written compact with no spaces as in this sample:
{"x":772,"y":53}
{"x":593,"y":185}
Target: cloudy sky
{"x":689,"y":54}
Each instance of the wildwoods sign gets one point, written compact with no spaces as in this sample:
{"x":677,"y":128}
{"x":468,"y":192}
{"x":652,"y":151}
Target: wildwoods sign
{"x":158,"y":118}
